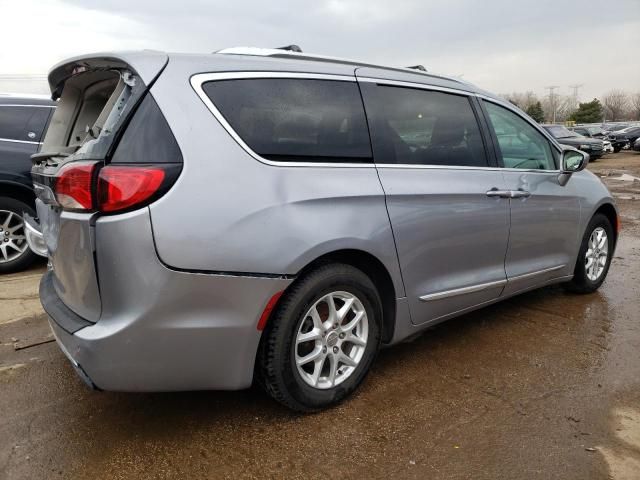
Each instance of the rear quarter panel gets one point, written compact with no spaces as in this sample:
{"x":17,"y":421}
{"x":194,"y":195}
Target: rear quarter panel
{"x":229,"y":212}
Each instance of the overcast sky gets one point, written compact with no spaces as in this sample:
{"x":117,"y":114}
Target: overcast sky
{"x":501,"y":45}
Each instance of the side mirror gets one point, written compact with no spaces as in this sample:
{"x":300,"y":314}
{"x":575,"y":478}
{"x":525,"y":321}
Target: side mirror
{"x":572,"y":161}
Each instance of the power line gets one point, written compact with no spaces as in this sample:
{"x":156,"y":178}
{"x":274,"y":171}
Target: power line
{"x":574,"y":97}
{"x":552,"y":99}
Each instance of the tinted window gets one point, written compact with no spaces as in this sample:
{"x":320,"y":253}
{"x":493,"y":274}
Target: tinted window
{"x":521,"y":145}
{"x":412,"y":126}
{"x":295,"y":119}
{"x":23,"y":122}
{"x":147,"y":138}
{"x":558,"y":131}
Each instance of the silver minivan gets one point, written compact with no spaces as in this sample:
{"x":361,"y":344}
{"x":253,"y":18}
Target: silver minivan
{"x":266,"y":215}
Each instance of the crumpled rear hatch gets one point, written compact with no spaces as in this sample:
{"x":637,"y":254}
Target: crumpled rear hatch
{"x":96,"y":96}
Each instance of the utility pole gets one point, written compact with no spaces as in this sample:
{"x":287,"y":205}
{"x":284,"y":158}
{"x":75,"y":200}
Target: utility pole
{"x":552,"y":100}
{"x":574,"y":97}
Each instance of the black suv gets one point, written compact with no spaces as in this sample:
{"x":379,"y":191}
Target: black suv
{"x":23,"y":121}
{"x":627,"y":135}
{"x":598,"y":132}
{"x":593,"y":146}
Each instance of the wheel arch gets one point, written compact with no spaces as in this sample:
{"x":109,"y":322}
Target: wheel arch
{"x":17,"y":191}
{"x":375,"y":270}
{"x":610,"y":211}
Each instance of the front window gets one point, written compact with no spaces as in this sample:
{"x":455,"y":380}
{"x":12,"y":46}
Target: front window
{"x":558,"y":131}
{"x":595,"y":130}
{"x":521,"y":145}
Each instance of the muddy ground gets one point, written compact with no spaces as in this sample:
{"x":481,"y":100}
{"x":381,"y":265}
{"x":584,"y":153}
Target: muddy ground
{"x":545,"y":385}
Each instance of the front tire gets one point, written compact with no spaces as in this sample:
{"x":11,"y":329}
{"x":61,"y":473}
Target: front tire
{"x":594,"y":258}
{"x":322,"y":338}
{"x":15,"y":254}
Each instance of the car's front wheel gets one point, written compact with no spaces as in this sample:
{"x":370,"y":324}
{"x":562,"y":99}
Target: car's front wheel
{"x":594,"y":257}
{"x":14,"y":251}
{"x":322,"y":338}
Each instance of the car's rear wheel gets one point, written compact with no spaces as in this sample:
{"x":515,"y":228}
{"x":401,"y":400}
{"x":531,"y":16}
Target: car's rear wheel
{"x":594,"y":257}
{"x":322,"y":338}
{"x":14,"y":251}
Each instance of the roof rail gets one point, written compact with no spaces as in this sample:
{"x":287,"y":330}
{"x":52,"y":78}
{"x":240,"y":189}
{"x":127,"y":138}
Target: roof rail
{"x":290,"y":52}
{"x":290,"y":48}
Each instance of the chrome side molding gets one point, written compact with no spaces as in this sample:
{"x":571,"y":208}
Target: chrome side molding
{"x":461,"y":291}
{"x":537,"y":272}
{"x":485,"y":286}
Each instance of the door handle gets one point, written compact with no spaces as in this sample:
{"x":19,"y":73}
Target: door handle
{"x":520,"y":193}
{"x":494,"y":192}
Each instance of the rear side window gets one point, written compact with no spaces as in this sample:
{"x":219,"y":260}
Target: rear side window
{"x":23,"y":122}
{"x":147,"y":138}
{"x":422,"y":127}
{"x":299,"y":120}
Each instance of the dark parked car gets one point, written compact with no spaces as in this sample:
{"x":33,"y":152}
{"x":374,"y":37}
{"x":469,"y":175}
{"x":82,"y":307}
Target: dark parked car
{"x":22,"y":123}
{"x":613,"y":127}
{"x":593,"y":146}
{"x":590,"y":131}
{"x":629,"y":135}
{"x":598,"y":132}
{"x":636,"y":145}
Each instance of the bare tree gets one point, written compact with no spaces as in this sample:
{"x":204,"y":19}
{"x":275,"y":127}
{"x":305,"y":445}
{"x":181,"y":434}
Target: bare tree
{"x":615,"y":103}
{"x":635,"y":103}
{"x":522,"y":99}
{"x":556,"y":103}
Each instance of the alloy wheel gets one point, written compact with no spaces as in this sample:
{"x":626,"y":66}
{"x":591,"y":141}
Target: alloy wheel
{"x":13,"y":242}
{"x":331,"y":340}
{"x":597,"y":254}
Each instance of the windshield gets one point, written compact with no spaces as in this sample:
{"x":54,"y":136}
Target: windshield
{"x":594,"y":130}
{"x":558,"y":131}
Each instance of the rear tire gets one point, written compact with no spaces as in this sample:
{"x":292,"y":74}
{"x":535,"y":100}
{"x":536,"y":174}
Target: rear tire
{"x":15,"y":254}
{"x":594,"y":257}
{"x":342,"y":343}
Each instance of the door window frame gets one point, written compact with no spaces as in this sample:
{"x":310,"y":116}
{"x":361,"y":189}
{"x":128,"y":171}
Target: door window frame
{"x":366,"y":83}
{"x":496,"y":146}
{"x":36,"y":141}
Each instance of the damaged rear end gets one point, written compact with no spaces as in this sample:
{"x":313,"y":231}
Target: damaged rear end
{"x":79,"y":173}
{"x":126,"y":320}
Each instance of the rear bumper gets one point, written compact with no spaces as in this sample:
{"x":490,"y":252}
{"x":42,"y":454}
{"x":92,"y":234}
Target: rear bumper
{"x":160,"y":329}
{"x":35,"y":240}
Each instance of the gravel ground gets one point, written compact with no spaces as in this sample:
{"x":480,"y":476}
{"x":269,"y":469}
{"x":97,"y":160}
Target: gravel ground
{"x":545,"y":385}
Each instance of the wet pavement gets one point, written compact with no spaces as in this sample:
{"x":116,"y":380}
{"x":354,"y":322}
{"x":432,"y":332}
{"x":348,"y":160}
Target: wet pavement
{"x":545,"y":385}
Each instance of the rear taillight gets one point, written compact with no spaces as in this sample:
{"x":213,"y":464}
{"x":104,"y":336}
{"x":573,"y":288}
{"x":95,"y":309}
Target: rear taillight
{"x":124,"y":187}
{"x":73,"y":186}
{"x":80,"y":187}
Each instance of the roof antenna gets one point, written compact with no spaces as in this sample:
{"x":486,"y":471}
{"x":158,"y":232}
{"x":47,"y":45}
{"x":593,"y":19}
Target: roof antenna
{"x":418,"y":67}
{"x":290,"y":48}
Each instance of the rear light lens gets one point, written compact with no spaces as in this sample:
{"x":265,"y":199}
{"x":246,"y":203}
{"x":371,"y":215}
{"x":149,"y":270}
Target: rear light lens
{"x":83,"y":187}
{"x":73,"y":186}
{"x":124,"y":187}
